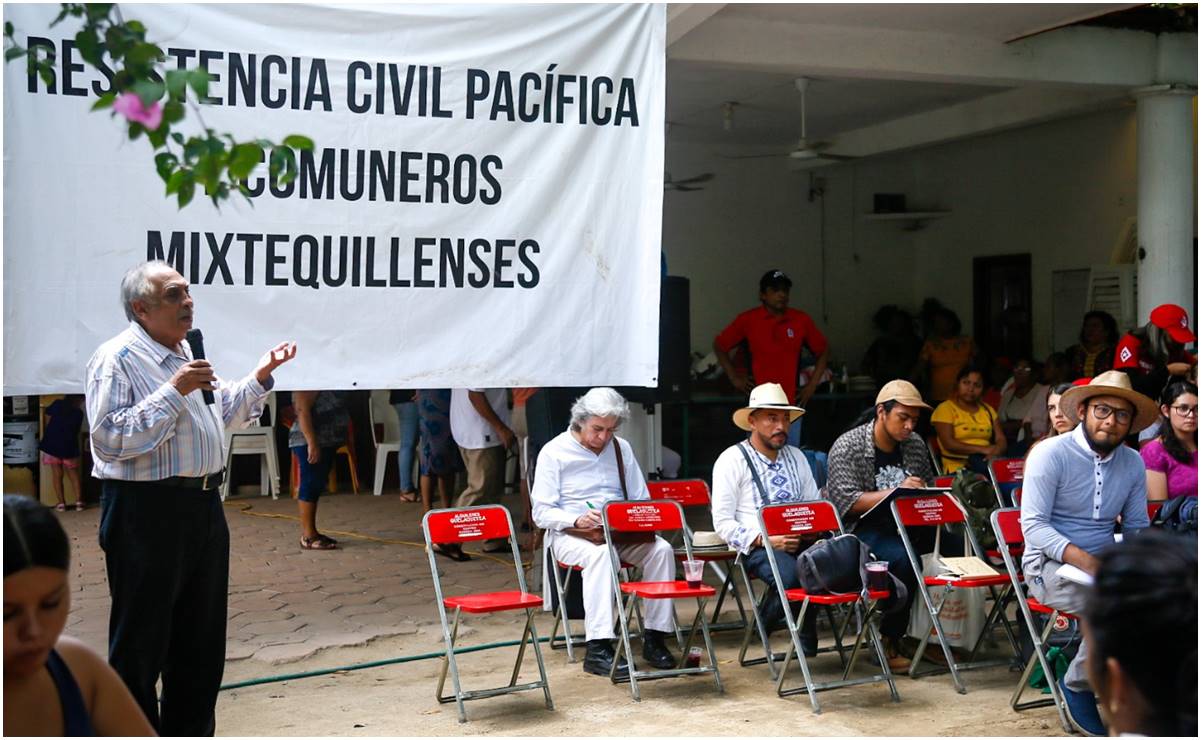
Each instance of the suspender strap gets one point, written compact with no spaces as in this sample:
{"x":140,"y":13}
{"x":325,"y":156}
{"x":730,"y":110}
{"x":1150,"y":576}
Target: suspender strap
{"x":754,"y":474}
{"x":621,"y":469}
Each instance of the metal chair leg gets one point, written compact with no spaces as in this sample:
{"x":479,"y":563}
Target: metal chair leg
{"x":550,"y":704}
{"x":448,"y":662}
{"x":756,"y":603}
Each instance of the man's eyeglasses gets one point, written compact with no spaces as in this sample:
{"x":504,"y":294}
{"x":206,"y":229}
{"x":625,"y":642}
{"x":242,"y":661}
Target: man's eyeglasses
{"x":1184,"y":410}
{"x":1101,"y":411}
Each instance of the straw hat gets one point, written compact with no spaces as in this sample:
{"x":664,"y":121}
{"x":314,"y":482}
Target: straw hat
{"x":903,"y":392}
{"x":1114,"y":383}
{"x":766,"y":396}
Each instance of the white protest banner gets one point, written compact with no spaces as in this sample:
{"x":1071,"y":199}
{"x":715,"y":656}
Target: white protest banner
{"x":482,"y":206}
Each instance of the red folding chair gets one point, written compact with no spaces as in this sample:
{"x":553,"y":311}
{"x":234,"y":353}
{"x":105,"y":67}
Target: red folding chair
{"x":1007,"y":526}
{"x":695,"y":493}
{"x":654,"y":516}
{"x":456,"y":526}
{"x":939,"y":510}
{"x":944,"y":481}
{"x":1153,"y":508}
{"x":819,"y":517}
{"x":935,"y":453}
{"x":1006,"y":475}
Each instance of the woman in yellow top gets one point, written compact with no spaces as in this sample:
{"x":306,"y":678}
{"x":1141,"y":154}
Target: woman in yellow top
{"x":944,"y":352}
{"x":965,"y":424}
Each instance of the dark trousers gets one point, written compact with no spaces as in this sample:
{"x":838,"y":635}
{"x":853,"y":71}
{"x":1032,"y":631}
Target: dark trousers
{"x":772,"y":613}
{"x":884,"y":542}
{"x":167,"y":557}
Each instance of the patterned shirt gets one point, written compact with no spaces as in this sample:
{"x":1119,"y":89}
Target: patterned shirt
{"x":142,"y":429}
{"x":853,"y":465}
{"x":737,"y":500}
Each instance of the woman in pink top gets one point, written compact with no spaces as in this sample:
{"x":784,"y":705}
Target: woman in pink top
{"x":1171,"y":458}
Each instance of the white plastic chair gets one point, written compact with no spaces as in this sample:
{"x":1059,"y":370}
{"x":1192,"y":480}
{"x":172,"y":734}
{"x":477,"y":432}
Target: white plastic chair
{"x":255,"y":440}
{"x":382,"y":412}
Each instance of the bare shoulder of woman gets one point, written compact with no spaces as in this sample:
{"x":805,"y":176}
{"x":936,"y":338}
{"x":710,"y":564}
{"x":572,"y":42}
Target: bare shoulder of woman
{"x":110,"y":705}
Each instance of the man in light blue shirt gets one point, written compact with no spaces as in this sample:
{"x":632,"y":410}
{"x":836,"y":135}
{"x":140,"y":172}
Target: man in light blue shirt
{"x":1075,"y":488}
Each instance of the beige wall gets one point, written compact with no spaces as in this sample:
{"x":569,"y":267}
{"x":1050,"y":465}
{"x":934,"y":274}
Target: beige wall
{"x":1060,"y":191}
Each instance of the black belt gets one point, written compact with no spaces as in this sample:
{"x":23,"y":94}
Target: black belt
{"x":209,"y":482}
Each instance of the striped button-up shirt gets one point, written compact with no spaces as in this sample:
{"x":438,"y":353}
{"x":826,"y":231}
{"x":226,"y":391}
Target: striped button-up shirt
{"x":142,"y":429}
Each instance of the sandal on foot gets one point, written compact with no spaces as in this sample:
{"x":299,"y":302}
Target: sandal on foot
{"x":80,"y":506}
{"x":60,"y":507}
{"x":327,"y":539}
{"x":409,"y":497}
{"x":317,"y":543}
{"x":455,"y":554}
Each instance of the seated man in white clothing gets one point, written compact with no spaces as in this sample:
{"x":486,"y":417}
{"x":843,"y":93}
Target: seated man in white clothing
{"x":576,"y":473}
{"x":764,"y":468}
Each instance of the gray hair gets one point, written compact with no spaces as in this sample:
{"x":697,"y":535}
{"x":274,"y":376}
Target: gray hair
{"x":601,"y":402}
{"x":135,"y":286}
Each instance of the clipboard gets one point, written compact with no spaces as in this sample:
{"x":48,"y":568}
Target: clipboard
{"x":881,"y":507}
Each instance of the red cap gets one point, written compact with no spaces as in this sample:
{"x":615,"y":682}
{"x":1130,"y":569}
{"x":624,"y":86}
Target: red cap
{"x":1082,"y":381}
{"x":1174,"y":320}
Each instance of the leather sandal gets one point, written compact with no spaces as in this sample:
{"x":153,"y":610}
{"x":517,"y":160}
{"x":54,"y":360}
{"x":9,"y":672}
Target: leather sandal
{"x":320,"y":542}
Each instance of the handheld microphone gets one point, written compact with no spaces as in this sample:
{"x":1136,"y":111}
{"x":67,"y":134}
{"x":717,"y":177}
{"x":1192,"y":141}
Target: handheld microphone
{"x":196,"y":342}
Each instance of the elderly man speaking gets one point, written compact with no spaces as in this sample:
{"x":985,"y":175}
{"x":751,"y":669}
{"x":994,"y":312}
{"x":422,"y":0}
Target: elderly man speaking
{"x":159,"y":452}
{"x":577,"y":472}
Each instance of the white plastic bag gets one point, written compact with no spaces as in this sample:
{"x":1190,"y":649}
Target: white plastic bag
{"x":962,"y":617}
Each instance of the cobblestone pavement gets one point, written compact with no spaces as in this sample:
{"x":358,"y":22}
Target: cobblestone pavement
{"x":285,"y":604}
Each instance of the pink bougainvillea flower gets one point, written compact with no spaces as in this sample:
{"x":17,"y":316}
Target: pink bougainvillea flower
{"x":130,"y":105}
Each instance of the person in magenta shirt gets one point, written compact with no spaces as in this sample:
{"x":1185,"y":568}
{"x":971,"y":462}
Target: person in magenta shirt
{"x":774,"y":334}
{"x":1171,"y":458}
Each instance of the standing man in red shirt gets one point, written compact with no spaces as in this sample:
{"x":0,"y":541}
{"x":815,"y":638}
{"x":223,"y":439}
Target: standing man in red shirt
{"x":774,"y":334}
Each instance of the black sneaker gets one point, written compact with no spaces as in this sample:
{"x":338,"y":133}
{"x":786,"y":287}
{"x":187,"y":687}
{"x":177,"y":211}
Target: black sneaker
{"x":655,"y":652}
{"x":599,"y":659}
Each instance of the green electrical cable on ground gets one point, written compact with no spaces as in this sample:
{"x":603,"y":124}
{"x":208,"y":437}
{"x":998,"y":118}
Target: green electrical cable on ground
{"x":374,"y":664}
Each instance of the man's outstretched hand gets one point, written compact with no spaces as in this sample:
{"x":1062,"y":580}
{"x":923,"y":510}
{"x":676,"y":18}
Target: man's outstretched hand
{"x":276,"y":356}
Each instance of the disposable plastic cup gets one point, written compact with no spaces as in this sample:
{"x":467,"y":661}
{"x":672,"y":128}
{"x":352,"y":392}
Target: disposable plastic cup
{"x":877,"y":575}
{"x":694,"y":570}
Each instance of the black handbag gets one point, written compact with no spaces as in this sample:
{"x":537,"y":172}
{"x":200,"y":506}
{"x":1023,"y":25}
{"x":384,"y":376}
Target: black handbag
{"x":835,"y":566}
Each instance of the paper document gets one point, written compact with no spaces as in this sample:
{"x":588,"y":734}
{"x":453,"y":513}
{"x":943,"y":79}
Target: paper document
{"x":1075,"y":575}
{"x":969,"y":567}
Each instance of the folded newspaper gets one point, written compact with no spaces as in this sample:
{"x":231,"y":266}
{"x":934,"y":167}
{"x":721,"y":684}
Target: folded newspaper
{"x":969,"y":567}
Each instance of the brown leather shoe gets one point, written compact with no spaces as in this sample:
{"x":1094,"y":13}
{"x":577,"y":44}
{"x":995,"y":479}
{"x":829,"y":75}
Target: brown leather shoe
{"x":897,"y":663}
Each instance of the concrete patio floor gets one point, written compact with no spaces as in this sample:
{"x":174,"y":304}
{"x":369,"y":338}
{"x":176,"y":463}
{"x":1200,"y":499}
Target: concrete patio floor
{"x":292,"y":611}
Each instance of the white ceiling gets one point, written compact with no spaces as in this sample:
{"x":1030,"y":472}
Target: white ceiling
{"x":996,"y":21}
{"x":769,"y":107}
{"x":768,"y":114}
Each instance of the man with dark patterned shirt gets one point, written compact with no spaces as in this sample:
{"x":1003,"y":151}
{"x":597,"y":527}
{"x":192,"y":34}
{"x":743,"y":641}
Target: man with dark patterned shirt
{"x":866,"y":464}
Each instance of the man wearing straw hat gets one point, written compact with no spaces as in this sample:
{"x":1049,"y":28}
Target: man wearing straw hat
{"x":1075,"y":487}
{"x":764,"y":468}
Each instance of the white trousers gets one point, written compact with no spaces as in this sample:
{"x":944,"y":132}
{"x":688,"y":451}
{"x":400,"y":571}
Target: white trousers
{"x":656,"y":560}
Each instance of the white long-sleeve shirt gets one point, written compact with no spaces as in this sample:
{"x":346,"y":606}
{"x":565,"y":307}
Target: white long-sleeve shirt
{"x":569,"y":476}
{"x":141,"y":428}
{"x":736,"y":498}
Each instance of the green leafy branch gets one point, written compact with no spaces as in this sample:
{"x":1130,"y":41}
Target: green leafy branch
{"x":154,"y":103}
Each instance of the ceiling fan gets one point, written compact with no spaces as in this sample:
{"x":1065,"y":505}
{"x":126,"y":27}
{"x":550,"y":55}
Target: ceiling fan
{"x":805,"y":150}
{"x":685,"y":185}
{"x":806,"y":153}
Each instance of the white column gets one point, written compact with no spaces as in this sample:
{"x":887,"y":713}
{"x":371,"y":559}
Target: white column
{"x":1166,"y":197}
